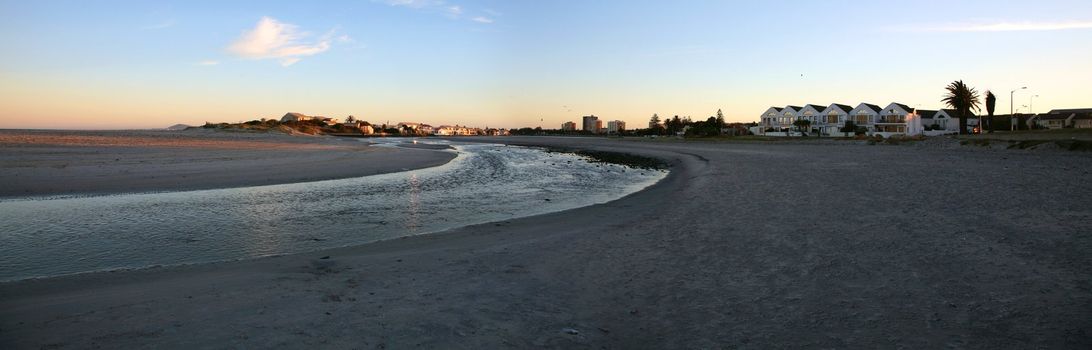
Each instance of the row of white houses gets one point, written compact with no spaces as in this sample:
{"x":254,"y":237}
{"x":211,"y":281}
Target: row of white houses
{"x":895,"y":118}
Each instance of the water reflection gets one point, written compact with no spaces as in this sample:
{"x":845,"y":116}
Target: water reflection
{"x":483,"y":183}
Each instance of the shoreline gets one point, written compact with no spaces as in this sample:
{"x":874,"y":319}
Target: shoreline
{"x":745,"y":276}
{"x":39,"y":164}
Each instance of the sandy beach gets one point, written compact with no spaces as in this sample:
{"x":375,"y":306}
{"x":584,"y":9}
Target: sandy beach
{"x":44,"y":163}
{"x":743,"y":245}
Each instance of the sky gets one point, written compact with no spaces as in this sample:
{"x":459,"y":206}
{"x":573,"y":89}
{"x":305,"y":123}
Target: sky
{"x":507,"y":64}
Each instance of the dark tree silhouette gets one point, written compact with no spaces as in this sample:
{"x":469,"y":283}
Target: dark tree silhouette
{"x":963,"y":99}
{"x":991,"y":102}
{"x":720,"y":121}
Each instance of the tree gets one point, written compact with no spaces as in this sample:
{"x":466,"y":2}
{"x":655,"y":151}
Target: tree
{"x":991,"y":102}
{"x":802,"y":124}
{"x":963,"y":99}
{"x":720,"y":121}
{"x":850,"y":126}
{"x":652,"y":123}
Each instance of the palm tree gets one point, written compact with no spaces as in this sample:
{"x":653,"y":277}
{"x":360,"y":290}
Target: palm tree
{"x":991,"y":102}
{"x":963,"y":99}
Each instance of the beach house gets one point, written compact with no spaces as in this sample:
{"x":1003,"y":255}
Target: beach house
{"x":810,"y":112}
{"x":833,"y":118}
{"x":865,"y":115}
{"x":894,"y":119}
{"x":295,"y":117}
{"x":769,"y":118}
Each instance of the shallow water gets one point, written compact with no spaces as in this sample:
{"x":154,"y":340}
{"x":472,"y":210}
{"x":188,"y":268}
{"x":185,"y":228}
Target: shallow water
{"x":58,"y":236}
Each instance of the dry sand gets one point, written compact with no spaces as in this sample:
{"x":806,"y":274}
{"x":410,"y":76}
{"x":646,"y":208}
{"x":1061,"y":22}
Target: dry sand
{"x":42,"y":163}
{"x":753,"y":245}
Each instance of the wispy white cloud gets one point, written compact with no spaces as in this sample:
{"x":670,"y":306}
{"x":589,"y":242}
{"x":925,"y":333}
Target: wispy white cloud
{"x":272,"y":39}
{"x":208,"y":63}
{"x":1001,"y":26}
{"x":417,"y":4}
{"x":454,"y":11}
{"x":162,"y":25}
{"x":450,"y":10}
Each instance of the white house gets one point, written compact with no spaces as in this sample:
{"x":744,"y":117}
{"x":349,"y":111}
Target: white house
{"x":834,"y":118}
{"x":894,"y":119}
{"x":811,"y":113}
{"x":944,"y":119}
{"x":865,"y":114}
{"x":295,"y":117}
{"x":769,"y":118}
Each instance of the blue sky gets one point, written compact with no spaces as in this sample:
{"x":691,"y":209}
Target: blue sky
{"x":137,"y":64}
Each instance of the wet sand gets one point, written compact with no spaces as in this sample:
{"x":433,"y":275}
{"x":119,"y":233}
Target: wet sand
{"x":45,"y":163}
{"x":756,"y":245}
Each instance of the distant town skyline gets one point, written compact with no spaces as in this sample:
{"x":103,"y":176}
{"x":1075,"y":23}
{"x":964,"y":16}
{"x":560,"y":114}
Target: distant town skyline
{"x":138,"y":64}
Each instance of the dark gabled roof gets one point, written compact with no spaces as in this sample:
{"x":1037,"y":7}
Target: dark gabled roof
{"x":1084,"y":115}
{"x":843,"y":107}
{"x":777,"y":108}
{"x":816,"y":106}
{"x":1054,"y":116}
{"x":1071,"y":110}
{"x":904,"y":107}
{"x":874,"y":108}
{"x":927,"y":114}
{"x":794,"y":107}
{"x":955,"y":114}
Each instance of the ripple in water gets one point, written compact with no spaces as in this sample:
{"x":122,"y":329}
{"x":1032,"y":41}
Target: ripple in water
{"x":51,"y":237}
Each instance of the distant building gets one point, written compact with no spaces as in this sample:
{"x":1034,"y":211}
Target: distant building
{"x":599,"y":127}
{"x":1080,"y":118}
{"x":568,"y":126}
{"x":295,"y":117}
{"x":365,"y":129}
{"x":616,"y":126}
{"x":590,"y":123}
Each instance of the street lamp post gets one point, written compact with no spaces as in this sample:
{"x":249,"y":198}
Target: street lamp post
{"x":1012,"y":115}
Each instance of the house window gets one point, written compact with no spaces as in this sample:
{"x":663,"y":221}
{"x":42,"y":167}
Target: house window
{"x":862,"y":118}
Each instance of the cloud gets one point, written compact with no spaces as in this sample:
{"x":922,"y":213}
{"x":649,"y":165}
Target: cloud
{"x":454,"y":11}
{"x":1003,"y":26}
{"x":208,"y":63}
{"x":272,"y":39}
{"x":417,"y":4}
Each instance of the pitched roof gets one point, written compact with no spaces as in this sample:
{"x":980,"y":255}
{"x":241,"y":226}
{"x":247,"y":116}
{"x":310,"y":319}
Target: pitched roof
{"x":843,"y":107}
{"x":1071,"y":110}
{"x":1054,"y":116}
{"x":927,"y":114}
{"x":794,"y":107}
{"x":904,"y":107}
{"x":955,"y":114}
{"x":873,"y":107}
{"x":817,"y":107}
